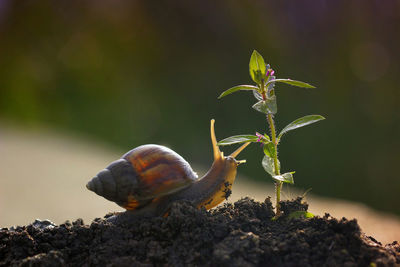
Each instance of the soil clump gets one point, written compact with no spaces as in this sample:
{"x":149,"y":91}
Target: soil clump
{"x":239,"y":234}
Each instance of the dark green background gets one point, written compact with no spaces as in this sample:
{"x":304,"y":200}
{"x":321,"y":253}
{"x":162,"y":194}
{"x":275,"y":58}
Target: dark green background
{"x":134,"y":72}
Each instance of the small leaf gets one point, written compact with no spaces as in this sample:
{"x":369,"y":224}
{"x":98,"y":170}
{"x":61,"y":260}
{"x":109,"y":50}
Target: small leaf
{"x":269,"y":84}
{"x":303,"y":121}
{"x":286,"y":177}
{"x":272,"y":105}
{"x":257,"y":67}
{"x":269,"y":150}
{"x":268,"y":165}
{"x":270,"y":87}
{"x":238,"y":88}
{"x":237,"y":139}
{"x":300,"y":214}
{"x":268,"y":106}
{"x":257,"y":95}
{"x":261,"y":106}
{"x":291,"y":82}
{"x":267,"y":137}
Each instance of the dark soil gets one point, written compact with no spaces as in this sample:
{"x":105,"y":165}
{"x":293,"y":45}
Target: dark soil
{"x":241,"y":234}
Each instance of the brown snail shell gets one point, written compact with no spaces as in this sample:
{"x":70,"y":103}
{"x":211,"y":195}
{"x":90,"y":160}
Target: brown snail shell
{"x":145,"y":172}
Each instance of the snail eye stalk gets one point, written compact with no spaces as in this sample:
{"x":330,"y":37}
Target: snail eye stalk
{"x":238,"y":162}
{"x":237,"y":151}
{"x":217,"y":153}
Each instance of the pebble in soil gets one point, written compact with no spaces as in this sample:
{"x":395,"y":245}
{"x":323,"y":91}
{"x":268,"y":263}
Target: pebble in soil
{"x":239,"y":234}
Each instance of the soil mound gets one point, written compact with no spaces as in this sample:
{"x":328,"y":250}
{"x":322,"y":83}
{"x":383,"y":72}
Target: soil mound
{"x":239,"y":234}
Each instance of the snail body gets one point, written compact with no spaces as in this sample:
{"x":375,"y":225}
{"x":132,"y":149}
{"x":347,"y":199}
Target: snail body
{"x":149,"y":178}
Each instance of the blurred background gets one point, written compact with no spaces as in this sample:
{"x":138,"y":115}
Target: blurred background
{"x":110,"y":75}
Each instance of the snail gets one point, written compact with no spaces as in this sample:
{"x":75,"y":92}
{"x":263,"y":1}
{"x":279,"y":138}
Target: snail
{"x":149,"y":178}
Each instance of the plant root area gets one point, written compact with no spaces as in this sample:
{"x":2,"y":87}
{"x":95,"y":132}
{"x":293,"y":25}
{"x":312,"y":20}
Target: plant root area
{"x":239,"y":234}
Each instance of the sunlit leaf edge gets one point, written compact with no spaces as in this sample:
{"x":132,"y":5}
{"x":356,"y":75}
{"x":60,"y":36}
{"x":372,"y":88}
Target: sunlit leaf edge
{"x":291,"y":82}
{"x":298,"y":123}
{"x":237,"y":88}
{"x":237,"y":139}
{"x":285,"y":177}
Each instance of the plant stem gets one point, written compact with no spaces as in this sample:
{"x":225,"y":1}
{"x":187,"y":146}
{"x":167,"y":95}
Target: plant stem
{"x":273,"y":139}
{"x":278,"y":184}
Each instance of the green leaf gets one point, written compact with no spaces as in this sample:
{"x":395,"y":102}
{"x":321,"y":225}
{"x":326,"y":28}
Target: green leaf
{"x":257,"y":67}
{"x":269,"y":150}
{"x":300,"y":214}
{"x":237,"y":139}
{"x":257,"y":95}
{"x":270,"y":85}
{"x":272,"y":105}
{"x":237,"y":88}
{"x":291,"y":82}
{"x":303,"y":121}
{"x":261,"y":106}
{"x":268,"y":106}
{"x":286,"y":177}
{"x":268,"y":165}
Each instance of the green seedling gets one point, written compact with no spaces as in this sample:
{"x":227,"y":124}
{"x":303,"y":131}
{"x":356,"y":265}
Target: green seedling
{"x":264,"y":92}
{"x":300,"y":214}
